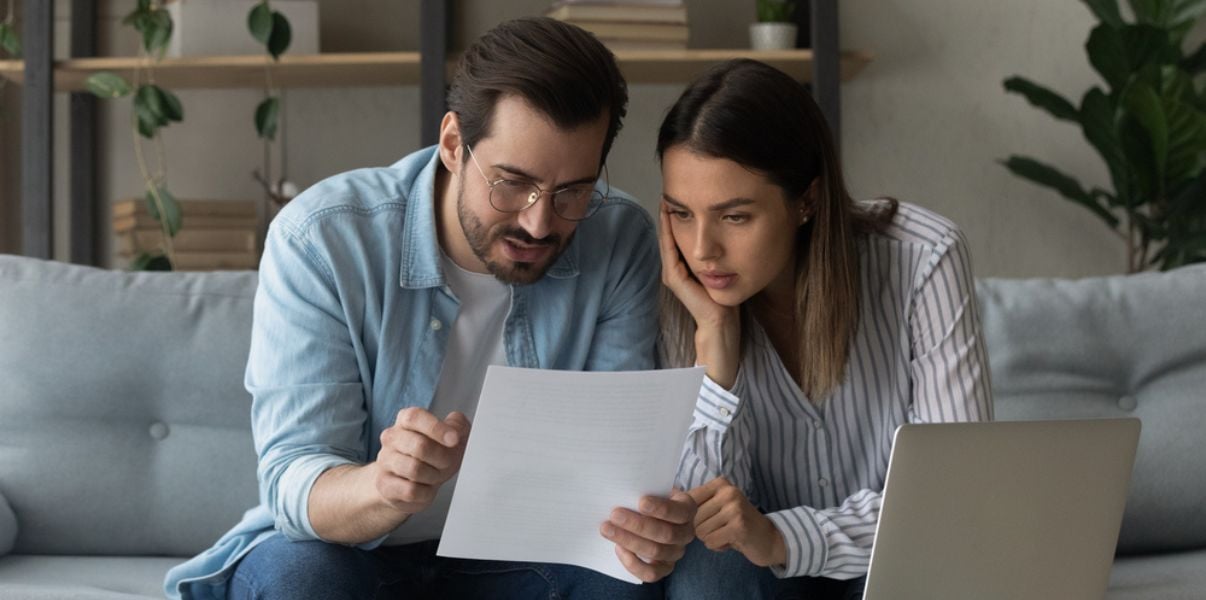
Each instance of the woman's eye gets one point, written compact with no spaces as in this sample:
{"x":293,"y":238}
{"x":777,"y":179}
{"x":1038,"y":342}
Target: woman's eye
{"x":679,"y":214}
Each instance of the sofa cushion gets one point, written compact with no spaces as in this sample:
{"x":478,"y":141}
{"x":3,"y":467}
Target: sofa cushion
{"x":125,"y":425}
{"x":25,"y":577}
{"x":1178,"y":576}
{"x":8,"y":526}
{"x":1111,"y":347}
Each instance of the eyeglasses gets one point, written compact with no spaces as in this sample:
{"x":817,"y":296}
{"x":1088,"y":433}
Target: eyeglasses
{"x":573,"y":203}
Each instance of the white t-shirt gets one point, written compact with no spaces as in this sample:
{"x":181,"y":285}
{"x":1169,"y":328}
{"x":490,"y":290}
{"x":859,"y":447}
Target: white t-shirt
{"x":475,"y":342}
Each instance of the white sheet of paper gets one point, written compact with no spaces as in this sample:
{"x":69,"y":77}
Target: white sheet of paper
{"x":551,"y":453}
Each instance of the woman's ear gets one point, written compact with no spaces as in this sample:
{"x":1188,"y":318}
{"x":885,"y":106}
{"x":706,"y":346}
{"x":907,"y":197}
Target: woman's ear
{"x":450,"y":142}
{"x":808,"y":202}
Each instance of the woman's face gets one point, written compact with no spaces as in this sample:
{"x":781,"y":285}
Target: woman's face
{"x":732,"y":226}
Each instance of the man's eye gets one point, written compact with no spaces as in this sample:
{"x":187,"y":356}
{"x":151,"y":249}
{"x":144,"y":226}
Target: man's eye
{"x":737,"y":219}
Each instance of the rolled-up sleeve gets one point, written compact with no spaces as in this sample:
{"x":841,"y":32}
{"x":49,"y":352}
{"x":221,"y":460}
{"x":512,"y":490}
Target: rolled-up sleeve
{"x":308,"y":409}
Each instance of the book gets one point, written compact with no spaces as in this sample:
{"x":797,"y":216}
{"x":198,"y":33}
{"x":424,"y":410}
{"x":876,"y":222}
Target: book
{"x":208,"y":208}
{"x":211,"y":261}
{"x":638,"y":45}
{"x":189,"y":221}
{"x":619,"y":13}
{"x":151,"y":240}
{"x":635,"y":31}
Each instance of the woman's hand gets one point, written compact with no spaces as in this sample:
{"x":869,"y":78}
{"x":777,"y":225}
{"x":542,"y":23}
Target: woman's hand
{"x":717,"y":327}
{"x":726,"y":519}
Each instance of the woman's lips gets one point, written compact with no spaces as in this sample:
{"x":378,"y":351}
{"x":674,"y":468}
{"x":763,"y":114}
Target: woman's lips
{"x":716,"y":280}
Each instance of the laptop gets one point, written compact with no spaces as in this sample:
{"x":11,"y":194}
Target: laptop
{"x":1009,"y":510}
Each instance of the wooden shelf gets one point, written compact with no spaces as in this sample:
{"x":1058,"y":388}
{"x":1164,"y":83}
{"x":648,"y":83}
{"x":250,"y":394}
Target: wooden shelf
{"x":399,"y":68}
{"x":320,"y":70}
{"x":681,"y":66}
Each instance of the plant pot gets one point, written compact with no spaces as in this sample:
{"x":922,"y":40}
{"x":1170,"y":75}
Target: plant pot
{"x":772,"y":36}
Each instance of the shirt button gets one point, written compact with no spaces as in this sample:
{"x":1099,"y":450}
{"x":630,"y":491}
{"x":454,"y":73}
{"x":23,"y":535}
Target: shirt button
{"x":436,"y":324}
{"x":818,"y":425}
{"x":724,"y":411}
{"x":823,"y":482}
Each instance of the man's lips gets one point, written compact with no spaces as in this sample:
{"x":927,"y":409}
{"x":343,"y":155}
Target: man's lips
{"x":520,"y":251}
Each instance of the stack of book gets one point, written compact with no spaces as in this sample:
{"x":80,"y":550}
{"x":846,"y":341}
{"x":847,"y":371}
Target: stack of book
{"x":628,"y":24}
{"x":214,"y":234}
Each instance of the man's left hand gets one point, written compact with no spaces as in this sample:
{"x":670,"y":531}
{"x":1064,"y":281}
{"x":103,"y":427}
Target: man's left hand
{"x":650,"y":541}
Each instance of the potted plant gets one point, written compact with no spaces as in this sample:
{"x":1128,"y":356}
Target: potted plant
{"x":1149,"y":126}
{"x":775,"y":29}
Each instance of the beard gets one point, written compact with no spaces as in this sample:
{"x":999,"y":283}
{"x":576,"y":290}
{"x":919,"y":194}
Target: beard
{"x":481,"y":240}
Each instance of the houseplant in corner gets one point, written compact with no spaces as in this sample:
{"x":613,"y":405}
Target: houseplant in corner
{"x":1148,"y":125}
{"x":775,"y":29}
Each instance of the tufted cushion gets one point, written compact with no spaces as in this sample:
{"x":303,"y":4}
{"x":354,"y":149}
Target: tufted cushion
{"x":125,"y":427}
{"x":1109,"y":347}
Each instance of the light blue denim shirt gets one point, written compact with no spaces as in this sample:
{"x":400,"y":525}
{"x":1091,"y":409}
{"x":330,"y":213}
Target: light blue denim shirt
{"x":351,"y":320}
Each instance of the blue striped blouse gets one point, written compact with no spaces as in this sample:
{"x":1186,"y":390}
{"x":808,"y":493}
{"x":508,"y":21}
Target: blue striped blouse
{"x":817,"y":469}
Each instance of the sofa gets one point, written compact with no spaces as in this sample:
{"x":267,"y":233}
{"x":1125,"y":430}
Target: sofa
{"x":125,"y":439}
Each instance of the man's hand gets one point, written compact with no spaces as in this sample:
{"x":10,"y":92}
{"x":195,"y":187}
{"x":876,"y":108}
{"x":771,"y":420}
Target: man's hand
{"x":649,"y":542}
{"x":726,"y":519}
{"x":418,"y":454}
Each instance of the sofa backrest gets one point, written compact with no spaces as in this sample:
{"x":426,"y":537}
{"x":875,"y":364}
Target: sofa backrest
{"x":1114,"y":347}
{"x":124,"y":425}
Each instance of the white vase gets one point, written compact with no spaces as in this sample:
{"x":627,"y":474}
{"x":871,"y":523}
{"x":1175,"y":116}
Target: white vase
{"x":772,"y":36}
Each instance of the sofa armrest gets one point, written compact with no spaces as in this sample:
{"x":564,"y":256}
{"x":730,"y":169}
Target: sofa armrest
{"x":8,"y":526}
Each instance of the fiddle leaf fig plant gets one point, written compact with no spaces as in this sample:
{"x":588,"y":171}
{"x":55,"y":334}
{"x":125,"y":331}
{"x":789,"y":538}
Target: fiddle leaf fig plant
{"x":1148,"y":124}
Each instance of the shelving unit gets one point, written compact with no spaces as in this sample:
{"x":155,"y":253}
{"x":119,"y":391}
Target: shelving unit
{"x":823,"y":66}
{"x":398,"y":68}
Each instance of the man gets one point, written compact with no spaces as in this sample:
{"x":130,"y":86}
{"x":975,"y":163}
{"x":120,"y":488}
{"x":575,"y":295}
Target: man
{"x":385,"y":293}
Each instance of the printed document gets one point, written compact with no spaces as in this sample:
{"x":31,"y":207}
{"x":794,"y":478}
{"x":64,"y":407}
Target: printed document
{"x":551,"y":453}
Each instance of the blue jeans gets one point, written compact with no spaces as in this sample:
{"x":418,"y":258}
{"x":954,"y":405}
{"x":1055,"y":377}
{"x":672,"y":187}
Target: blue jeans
{"x":706,"y":575}
{"x":279,"y":568}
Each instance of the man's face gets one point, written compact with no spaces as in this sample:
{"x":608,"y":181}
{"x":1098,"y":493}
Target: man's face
{"x":524,"y":146}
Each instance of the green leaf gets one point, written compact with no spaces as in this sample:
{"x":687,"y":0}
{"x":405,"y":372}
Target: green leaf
{"x":259,"y":22}
{"x":172,"y":110}
{"x":1143,"y":104}
{"x":1187,"y":11}
{"x":1152,"y":12}
{"x":1106,"y":11}
{"x":281,"y":36}
{"x":266,"y":117}
{"x":158,"y":31}
{"x":147,"y":97}
{"x":171,"y":208}
{"x":1107,"y":53}
{"x":1043,"y":98}
{"x":1186,"y":140}
{"x":1196,"y":61}
{"x":1067,"y":187}
{"x":150,"y":262}
{"x":9,"y":41}
{"x":108,"y":85}
{"x":1147,"y":45}
{"x":1098,"y":124}
{"x":149,"y":121}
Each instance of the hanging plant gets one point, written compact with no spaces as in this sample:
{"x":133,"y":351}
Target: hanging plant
{"x":153,"y":109}
{"x":270,"y":28}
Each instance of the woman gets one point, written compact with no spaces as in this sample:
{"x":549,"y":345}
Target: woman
{"x":824,"y":323}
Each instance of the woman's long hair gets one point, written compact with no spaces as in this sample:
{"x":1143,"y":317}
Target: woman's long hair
{"x":759,"y":117}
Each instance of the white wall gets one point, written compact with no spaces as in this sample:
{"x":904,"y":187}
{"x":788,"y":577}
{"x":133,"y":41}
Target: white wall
{"x":925,"y":122}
